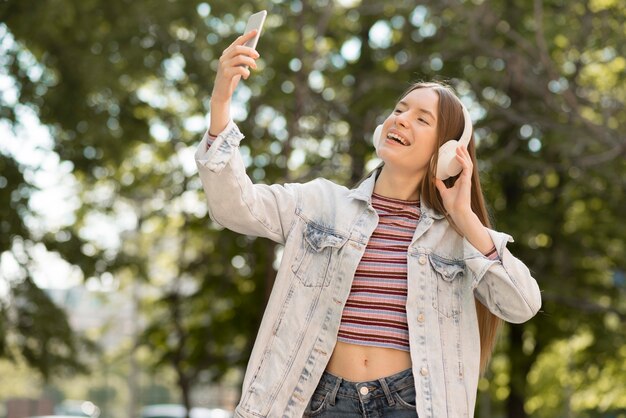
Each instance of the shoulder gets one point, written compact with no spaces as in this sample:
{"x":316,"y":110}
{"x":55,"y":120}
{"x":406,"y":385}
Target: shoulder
{"x":443,"y":239}
{"x":323,"y":186}
{"x":322,"y":194}
{"x":327,"y":205}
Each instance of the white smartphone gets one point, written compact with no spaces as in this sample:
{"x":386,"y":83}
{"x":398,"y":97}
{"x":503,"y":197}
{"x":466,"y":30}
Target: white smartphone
{"x":255,"y":22}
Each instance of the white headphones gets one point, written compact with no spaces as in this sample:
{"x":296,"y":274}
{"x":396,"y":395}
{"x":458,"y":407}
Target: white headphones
{"x":447,"y":165}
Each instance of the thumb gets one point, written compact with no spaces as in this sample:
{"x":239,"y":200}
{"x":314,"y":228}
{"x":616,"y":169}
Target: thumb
{"x":233,"y":83}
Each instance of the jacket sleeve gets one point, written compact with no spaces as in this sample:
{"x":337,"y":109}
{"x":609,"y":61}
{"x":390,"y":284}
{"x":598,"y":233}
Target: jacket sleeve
{"x":504,"y":286}
{"x":233,"y":200}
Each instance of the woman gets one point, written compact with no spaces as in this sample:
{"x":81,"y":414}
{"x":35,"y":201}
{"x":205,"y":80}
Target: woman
{"x":389,"y":295}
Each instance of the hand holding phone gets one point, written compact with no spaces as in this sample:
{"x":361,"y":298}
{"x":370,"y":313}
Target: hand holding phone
{"x":233,"y":65}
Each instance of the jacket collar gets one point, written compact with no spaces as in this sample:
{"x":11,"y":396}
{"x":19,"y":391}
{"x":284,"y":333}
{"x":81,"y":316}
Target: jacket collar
{"x":364,"y":192}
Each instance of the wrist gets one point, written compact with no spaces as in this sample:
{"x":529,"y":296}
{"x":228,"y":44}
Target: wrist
{"x":465,"y":220}
{"x":217,"y":102}
{"x":473,"y":230}
{"x":220,"y":116}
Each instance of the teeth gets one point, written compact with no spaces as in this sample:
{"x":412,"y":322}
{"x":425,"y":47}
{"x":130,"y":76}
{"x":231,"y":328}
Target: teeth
{"x":397,"y":138}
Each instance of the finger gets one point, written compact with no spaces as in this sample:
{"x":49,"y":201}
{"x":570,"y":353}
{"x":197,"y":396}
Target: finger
{"x":240,"y":55}
{"x":240,"y":50}
{"x":440,"y":186}
{"x":238,"y":71}
{"x":246,"y":50}
{"x":232,"y":73}
{"x":465,"y":165}
{"x":239,"y":42}
{"x":461,"y":152}
{"x":466,"y":153}
{"x":241,"y":60}
{"x":244,"y":38}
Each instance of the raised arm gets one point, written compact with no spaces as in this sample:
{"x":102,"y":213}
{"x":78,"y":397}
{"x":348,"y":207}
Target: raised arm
{"x":233,"y":200}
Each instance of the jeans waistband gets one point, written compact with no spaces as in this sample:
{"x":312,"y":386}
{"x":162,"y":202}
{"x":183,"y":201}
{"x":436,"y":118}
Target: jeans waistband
{"x":384,"y":386}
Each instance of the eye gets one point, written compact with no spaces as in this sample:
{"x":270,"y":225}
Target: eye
{"x":396,"y":111}
{"x":423,"y":121}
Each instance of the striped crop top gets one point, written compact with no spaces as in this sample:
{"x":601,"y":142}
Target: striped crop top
{"x":375,"y":312}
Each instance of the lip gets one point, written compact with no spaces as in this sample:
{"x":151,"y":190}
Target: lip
{"x":394,"y":143}
{"x":398,"y":133}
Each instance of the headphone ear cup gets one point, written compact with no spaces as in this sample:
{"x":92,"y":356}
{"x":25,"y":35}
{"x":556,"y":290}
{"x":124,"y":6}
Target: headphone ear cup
{"x":376,"y":139}
{"x":447,"y":165}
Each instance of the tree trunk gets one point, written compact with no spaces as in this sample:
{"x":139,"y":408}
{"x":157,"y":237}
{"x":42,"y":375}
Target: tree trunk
{"x":519,"y":371}
{"x":515,"y":406}
{"x":185,"y":390}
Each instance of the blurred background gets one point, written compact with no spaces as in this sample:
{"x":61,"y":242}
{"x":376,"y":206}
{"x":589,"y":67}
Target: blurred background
{"x":118,"y":292}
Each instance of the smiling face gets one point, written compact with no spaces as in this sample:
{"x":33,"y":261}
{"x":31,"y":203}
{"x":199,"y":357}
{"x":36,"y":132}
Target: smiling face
{"x":409,"y":135}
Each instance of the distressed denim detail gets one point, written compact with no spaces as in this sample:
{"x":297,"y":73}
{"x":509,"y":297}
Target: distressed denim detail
{"x":314,"y":263}
{"x":449,"y":275}
{"x":222,"y":148}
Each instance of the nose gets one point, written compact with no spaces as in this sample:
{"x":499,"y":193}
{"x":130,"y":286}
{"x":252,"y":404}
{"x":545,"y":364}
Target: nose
{"x":401,"y":120}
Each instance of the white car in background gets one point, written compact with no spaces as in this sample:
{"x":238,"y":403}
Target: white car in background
{"x":57,"y":416}
{"x":73,"y":409}
{"x":76,"y":408}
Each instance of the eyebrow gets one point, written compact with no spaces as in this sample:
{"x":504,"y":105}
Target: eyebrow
{"x":429,"y":113}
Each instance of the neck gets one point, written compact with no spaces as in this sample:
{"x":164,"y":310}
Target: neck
{"x":398,"y":185}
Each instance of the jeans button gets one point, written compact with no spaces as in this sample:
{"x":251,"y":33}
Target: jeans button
{"x":424,"y":371}
{"x":422,"y":259}
{"x":364,"y":390}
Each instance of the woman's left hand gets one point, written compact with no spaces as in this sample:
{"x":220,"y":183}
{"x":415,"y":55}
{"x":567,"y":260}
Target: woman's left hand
{"x":457,"y":200}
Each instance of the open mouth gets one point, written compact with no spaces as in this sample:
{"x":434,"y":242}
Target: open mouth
{"x":398,"y":139}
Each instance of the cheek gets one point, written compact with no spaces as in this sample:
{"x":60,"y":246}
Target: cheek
{"x":387,"y":123}
{"x":433,"y":141}
{"x":428,"y":148}
{"x":434,"y":145}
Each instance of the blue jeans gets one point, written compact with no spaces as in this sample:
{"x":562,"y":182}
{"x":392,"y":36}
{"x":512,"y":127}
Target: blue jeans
{"x":389,"y":397}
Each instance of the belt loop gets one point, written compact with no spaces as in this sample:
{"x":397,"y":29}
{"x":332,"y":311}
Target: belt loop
{"x":383,"y":384}
{"x":333,"y":393}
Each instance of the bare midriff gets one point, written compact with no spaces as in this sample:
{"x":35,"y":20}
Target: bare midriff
{"x":360,"y":363}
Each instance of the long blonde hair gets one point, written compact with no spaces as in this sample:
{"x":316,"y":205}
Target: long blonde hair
{"x":450,"y":124}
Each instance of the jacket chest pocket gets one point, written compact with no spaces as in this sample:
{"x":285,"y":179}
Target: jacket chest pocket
{"x":448,"y":275}
{"x":317,"y":257}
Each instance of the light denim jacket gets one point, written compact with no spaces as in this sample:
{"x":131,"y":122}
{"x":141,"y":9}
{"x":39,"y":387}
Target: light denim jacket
{"x":324,"y":228}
